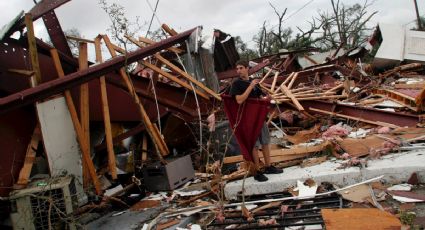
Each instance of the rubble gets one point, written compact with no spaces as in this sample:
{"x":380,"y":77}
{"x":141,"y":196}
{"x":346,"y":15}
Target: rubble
{"x":64,"y":121}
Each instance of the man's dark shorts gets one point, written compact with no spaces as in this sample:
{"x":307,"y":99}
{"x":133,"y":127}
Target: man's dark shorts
{"x":264,"y":138}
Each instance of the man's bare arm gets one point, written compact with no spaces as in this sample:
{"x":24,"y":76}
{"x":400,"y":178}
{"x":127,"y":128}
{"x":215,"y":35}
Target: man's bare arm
{"x":242,"y":98}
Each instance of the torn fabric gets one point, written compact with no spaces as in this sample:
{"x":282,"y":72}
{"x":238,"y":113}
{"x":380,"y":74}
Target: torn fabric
{"x":246,"y":120}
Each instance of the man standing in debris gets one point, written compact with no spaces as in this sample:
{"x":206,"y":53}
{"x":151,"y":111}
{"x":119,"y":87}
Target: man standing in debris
{"x":242,"y":89}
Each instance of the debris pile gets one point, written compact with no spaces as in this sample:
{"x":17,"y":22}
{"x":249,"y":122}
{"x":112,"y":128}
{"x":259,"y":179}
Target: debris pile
{"x":138,"y":136}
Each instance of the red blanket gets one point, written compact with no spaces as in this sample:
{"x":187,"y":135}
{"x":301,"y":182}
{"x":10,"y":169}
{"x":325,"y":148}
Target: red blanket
{"x":246,"y":120}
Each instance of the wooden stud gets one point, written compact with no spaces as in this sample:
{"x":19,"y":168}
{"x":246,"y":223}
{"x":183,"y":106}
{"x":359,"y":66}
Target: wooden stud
{"x":106,"y":117}
{"x":77,"y":126}
{"x":84,"y":105}
{"x":33,"y":48}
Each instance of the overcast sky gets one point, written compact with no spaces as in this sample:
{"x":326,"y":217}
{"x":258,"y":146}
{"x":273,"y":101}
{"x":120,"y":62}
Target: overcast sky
{"x":237,"y":17}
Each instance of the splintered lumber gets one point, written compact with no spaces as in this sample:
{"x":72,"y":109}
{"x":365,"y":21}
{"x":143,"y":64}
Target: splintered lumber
{"x":84,"y":105}
{"x":292,"y":97}
{"x":379,"y":123}
{"x":284,"y":82}
{"x":33,"y":49}
{"x":173,"y":78}
{"x":158,"y":142}
{"x":151,"y":42}
{"x":77,"y":126}
{"x":294,"y":77}
{"x":179,"y":71}
{"x":265,"y":76}
{"x":70,"y":37}
{"x":339,"y":86}
{"x":313,"y":98}
{"x":106,"y":116}
{"x":187,"y":76}
{"x":169,"y":30}
{"x":410,"y":86}
{"x":25,"y":172}
{"x":274,"y":81}
{"x":279,"y":155}
{"x":359,"y":218}
{"x":22,"y":72}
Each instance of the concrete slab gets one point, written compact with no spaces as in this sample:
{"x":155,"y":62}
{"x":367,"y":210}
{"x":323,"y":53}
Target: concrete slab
{"x":396,"y":168}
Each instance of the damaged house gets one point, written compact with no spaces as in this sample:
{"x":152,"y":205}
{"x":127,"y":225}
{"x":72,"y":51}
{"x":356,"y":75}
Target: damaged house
{"x":139,"y":138}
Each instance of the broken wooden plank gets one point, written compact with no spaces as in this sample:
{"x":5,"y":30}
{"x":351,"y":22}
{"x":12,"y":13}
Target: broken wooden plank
{"x":409,"y":86}
{"x":84,"y":105}
{"x":32,"y":46}
{"x":77,"y":126}
{"x":25,"y":172}
{"x":274,"y":81}
{"x":279,"y":155}
{"x":294,"y":78}
{"x":173,"y":78}
{"x":359,"y":218}
{"x":151,"y":42}
{"x":158,"y":142}
{"x":105,"y":112}
{"x":169,"y":30}
{"x":22,"y":72}
{"x":265,"y":76}
{"x":179,"y":71}
{"x":314,"y":98}
{"x":292,"y":97}
{"x":70,"y":37}
{"x":379,"y":123}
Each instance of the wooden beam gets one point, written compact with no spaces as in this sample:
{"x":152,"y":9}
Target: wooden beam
{"x":179,"y":71}
{"x":279,"y":155}
{"x":169,"y":30}
{"x":144,"y":148}
{"x":158,"y":142}
{"x":106,"y":116}
{"x":274,"y":81}
{"x":266,"y":75}
{"x":292,"y":97}
{"x":84,"y":106}
{"x":379,"y":123}
{"x":33,"y":49}
{"x":79,"y":39}
{"x":22,"y":72}
{"x":25,"y":172}
{"x":173,"y":78}
{"x":187,"y":76}
{"x":294,"y":77}
{"x":313,"y":98}
{"x":82,"y":140}
{"x":151,"y":42}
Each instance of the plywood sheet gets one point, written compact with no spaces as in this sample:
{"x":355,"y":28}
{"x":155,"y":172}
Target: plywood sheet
{"x":359,"y":218}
